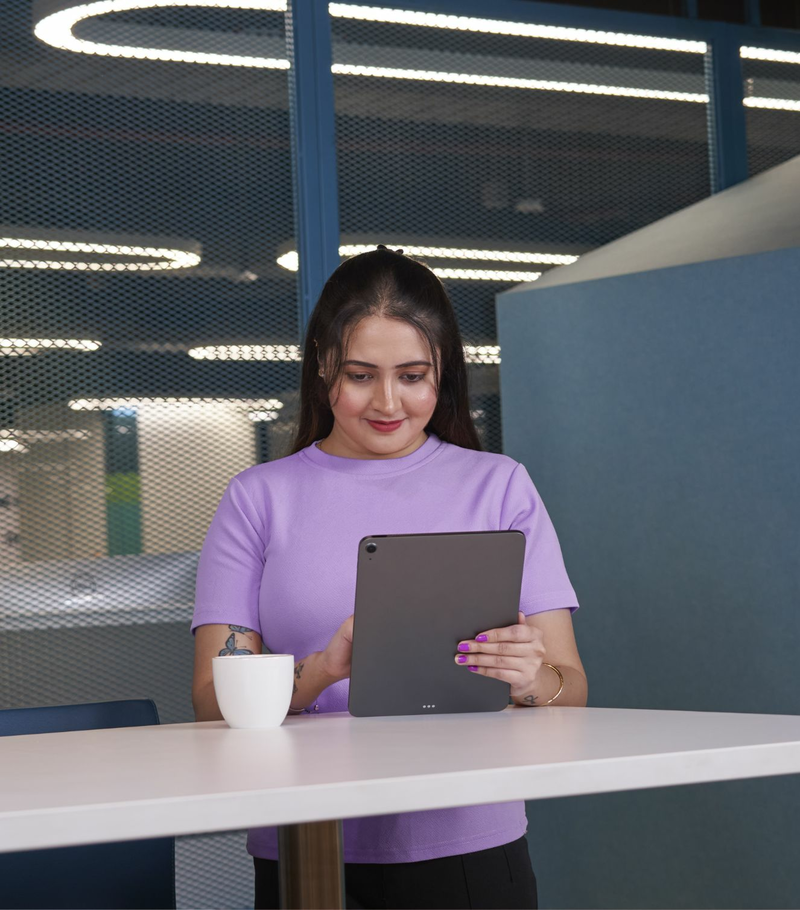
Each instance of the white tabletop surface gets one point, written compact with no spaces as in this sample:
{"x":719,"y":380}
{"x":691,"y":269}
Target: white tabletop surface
{"x":58,"y":789}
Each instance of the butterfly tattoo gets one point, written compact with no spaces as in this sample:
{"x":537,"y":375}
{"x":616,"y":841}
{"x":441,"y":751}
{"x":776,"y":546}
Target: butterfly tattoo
{"x":230,"y":645}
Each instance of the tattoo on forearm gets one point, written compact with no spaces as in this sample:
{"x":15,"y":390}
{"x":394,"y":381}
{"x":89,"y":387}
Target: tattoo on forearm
{"x":298,"y":672}
{"x":530,"y":699}
{"x":230,"y":645}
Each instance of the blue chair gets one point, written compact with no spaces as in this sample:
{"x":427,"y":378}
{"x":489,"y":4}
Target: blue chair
{"x":129,"y":874}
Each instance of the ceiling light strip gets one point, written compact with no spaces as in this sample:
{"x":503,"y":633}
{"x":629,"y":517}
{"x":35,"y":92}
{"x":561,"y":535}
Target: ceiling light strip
{"x":472,"y":353}
{"x":518,"y":29}
{"x":440,"y":252}
{"x":270,"y":352}
{"x":56,"y":30}
{"x":765,"y":53}
{"x":485,"y":275}
{"x":112,"y":404}
{"x":511,"y":82}
{"x":170,"y":258}
{"x":16,"y":346}
{"x":772,"y":104}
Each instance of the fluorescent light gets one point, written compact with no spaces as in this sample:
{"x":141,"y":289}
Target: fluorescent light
{"x":485,"y":275}
{"x":511,"y":82}
{"x":290,"y":260}
{"x":772,"y":104}
{"x":130,"y":404}
{"x":8,"y":445}
{"x":56,"y":30}
{"x":156,"y":258}
{"x":18,"y":347}
{"x":764,"y":53}
{"x":442,"y":252}
{"x":489,"y":353}
{"x":520,"y":29}
{"x":274,"y":352}
{"x":257,"y":416}
{"x":43,"y":435}
{"x":472,"y":354}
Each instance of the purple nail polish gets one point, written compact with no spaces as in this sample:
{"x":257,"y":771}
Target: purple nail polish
{"x":481,"y":638}
{"x":474,"y":669}
{"x":463,"y":647}
{"x":462,"y":658}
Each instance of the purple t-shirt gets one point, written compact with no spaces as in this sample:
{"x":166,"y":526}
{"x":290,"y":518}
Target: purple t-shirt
{"x":280,"y":557}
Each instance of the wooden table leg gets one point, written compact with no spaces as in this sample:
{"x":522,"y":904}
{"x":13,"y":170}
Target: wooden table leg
{"x":311,"y":866}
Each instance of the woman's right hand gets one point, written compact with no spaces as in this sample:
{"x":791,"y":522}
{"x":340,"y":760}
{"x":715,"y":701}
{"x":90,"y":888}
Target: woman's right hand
{"x":335,"y":659}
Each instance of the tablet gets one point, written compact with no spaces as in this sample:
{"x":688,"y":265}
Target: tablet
{"x":417,"y":596}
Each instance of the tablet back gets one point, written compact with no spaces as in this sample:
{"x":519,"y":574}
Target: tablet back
{"x":417,"y":596}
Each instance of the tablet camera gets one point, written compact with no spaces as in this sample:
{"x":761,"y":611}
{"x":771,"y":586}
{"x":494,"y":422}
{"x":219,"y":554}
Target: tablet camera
{"x":371,"y":547}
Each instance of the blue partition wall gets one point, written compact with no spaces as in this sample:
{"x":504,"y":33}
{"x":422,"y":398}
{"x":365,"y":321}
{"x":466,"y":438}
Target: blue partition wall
{"x":656,"y":413}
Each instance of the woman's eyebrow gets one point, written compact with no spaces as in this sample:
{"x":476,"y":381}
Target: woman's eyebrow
{"x":374,"y":366}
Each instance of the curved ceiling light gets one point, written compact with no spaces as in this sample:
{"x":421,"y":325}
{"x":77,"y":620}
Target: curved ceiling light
{"x":772,"y":104}
{"x":33,"y":248}
{"x":23,"y":347}
{"x":54,"y":21}
{"x":54,"y":24}
{"x":546,"y":85}
{"x":131,"y":403}
{"x":472,"y":354}
{"x":519,"y":29}
{"x":272,"y":352}
{"x":290,"y":260}
{"x":764,"y":53}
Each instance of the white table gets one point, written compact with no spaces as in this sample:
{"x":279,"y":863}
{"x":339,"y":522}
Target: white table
{"x":61,"y":789}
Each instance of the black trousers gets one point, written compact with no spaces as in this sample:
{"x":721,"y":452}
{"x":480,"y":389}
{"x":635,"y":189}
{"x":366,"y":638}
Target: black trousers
{"x":500,"y":878}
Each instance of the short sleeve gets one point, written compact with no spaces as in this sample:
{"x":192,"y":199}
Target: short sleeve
{"x":231,"y":563}
{"x":545,"y":583}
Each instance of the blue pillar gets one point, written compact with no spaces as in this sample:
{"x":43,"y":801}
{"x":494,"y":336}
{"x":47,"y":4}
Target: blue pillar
{"x":689,"y":9}
{"x":313,"y":134}
{"x":727,"y":133}
{"x":753,"y":12}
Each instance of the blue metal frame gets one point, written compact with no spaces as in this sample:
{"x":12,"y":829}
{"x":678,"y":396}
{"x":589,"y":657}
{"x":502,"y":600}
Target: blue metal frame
{"x":727,"y":130}
{"x":313,"y":131}
{"x":313,"y":136}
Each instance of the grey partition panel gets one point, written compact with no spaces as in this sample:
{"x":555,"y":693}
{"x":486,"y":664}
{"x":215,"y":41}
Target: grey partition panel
{"x":656,"y":413}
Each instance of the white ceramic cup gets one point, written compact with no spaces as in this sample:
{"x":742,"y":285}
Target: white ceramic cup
{"x":253,"y":691}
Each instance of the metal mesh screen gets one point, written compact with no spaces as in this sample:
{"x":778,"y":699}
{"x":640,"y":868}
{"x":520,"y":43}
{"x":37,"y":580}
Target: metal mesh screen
{"x":554,"y":156}
{"x":143,"y":204}
{"x":773,"y":135}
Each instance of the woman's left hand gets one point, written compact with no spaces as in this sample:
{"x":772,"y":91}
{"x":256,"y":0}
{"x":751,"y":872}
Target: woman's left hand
{"x":512,"y":653}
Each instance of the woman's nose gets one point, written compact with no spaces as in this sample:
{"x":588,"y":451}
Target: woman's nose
{"x":384,"y":394}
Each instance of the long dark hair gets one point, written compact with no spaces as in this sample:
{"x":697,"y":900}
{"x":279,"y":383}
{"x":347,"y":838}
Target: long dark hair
{"x":389,"y":284}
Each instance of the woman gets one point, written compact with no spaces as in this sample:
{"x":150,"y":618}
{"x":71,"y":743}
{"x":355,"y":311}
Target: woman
{"x":385,"y":445}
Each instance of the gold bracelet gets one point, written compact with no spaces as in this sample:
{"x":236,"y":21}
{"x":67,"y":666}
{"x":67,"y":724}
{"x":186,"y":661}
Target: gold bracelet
{"x":559,"y":688}
{"x":306,"y":710}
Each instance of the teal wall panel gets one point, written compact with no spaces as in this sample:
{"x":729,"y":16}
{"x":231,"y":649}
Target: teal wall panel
{"x":657,"y":416}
